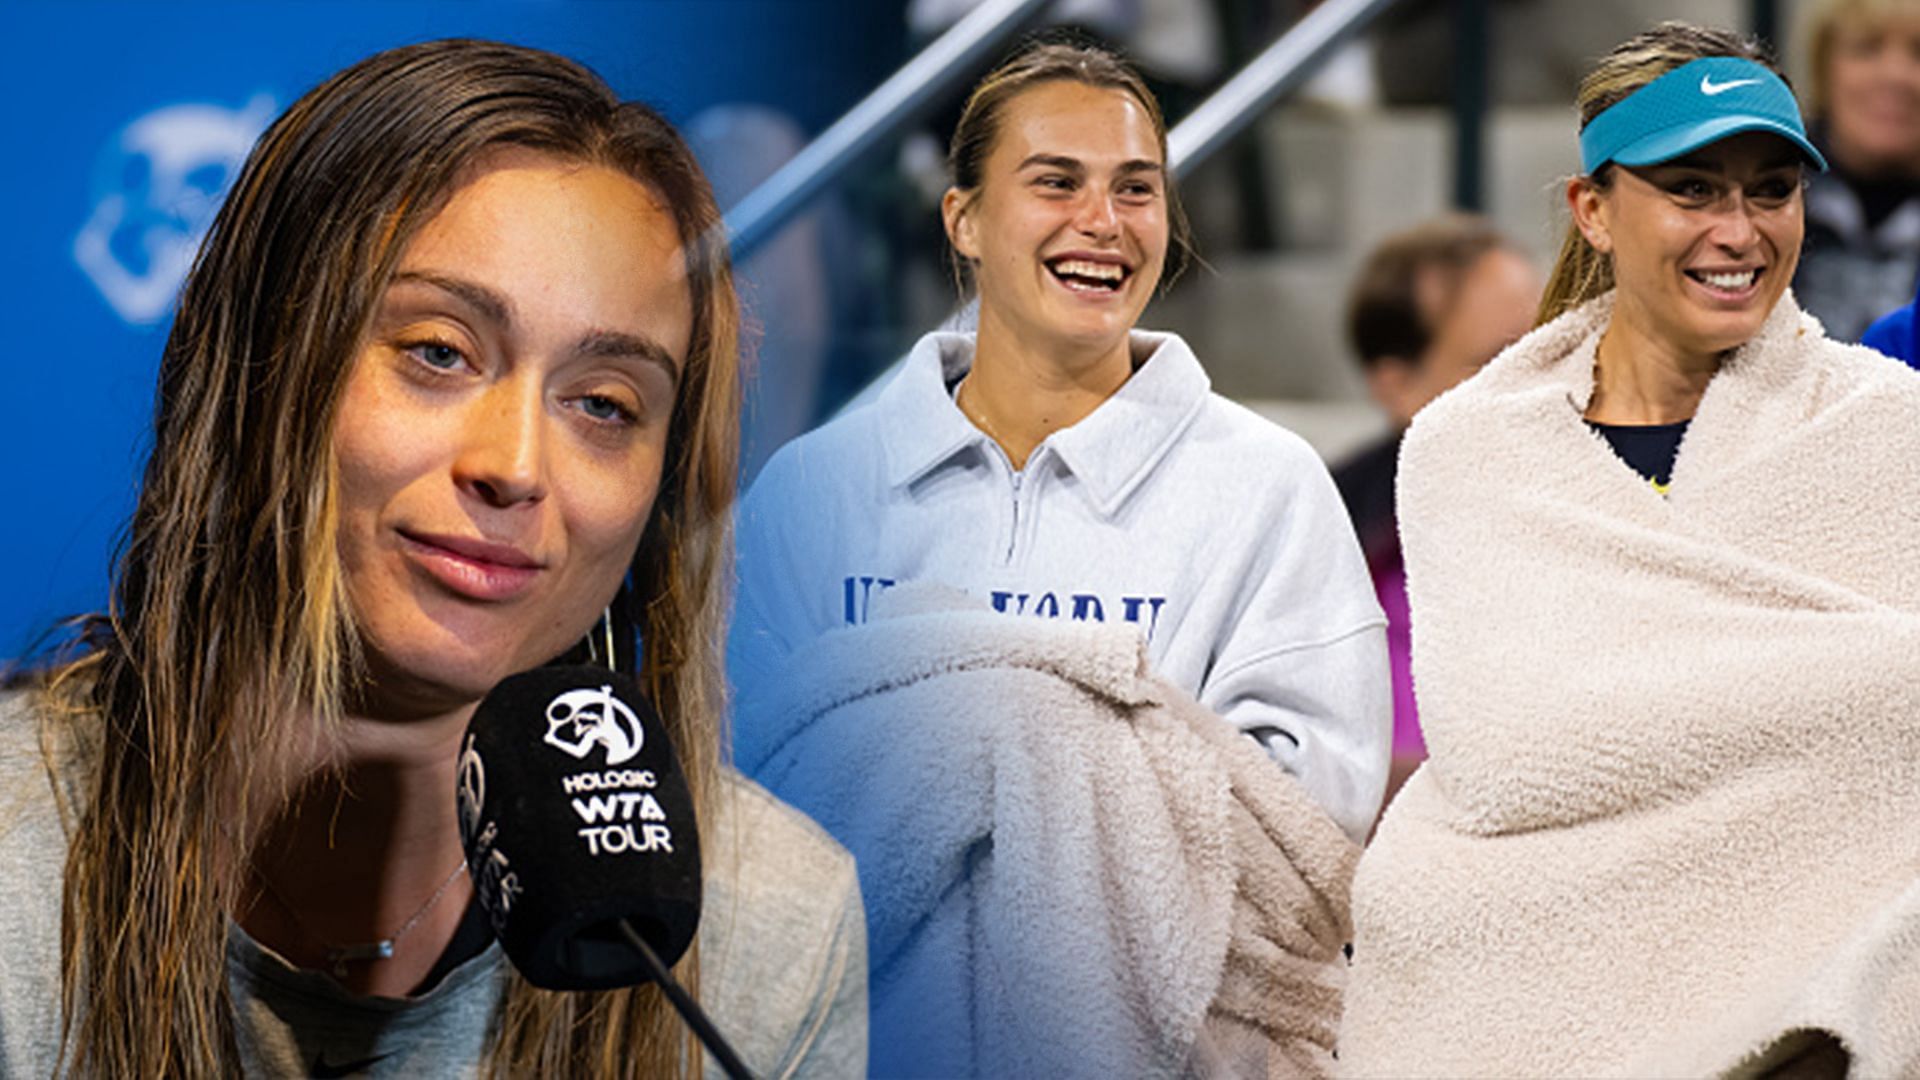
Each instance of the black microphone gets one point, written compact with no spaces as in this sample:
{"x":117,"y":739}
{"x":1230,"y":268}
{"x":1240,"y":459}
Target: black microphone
{"x":580,"y":836}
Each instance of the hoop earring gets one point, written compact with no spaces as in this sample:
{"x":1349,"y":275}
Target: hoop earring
{"x":605,"y":631}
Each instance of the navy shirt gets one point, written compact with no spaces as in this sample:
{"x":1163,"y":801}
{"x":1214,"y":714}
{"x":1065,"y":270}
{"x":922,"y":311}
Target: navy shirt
{"x":1648,"y":448}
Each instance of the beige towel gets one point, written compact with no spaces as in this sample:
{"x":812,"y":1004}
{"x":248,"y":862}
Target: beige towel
{"x":1069,"y":867}
{"x":1671,"y":821}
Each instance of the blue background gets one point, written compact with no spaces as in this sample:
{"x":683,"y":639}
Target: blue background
{"x":76,"y":382}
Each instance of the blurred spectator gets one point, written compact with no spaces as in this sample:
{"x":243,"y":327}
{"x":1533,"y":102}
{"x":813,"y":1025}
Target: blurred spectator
{"x":1430,"y":306}
{"x":1862,"y":253}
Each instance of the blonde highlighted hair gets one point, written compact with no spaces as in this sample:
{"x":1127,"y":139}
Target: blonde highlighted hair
{"x":229,"y":614}
{"x":1581,"y":272}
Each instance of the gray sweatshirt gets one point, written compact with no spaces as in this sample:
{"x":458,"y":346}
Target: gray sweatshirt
{"x":1218,"y":534}
{"x":782,"y":950}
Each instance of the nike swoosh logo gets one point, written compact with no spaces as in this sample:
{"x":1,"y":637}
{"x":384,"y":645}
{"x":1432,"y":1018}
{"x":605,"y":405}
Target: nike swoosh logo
{"x":324,"y":1071}
{"x":1711,"y":88}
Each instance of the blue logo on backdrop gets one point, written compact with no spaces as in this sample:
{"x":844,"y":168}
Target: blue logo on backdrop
{"x":155,"y":192}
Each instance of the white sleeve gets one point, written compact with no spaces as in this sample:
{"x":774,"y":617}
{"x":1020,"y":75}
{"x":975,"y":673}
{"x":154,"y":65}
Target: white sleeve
{"x":1325,"y":713}
{"x":1304,"y":668}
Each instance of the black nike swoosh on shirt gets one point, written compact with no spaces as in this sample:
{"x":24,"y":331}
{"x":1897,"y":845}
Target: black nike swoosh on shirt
{"x":323,"y":1071}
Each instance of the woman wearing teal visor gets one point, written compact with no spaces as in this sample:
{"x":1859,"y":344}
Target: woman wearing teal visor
{"x":1665,"y":585}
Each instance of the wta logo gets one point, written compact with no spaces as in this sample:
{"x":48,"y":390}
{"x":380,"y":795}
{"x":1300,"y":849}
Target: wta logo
{"x":579,"y":720}
{"x":157,"y":186}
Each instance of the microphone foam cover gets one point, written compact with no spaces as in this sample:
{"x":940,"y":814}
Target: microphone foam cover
{"x":574,"y":814}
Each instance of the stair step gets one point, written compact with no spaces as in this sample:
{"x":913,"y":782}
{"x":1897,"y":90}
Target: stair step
{"x":1267,"y":326}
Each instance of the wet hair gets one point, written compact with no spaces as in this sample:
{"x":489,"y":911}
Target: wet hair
{"x":1385,"y":315}
{"x":1581,"y":272}
{"x":1056,"y":57}
{"x":229,"y":612}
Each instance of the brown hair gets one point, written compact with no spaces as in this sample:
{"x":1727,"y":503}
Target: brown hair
{"x":229,"y":611}
{"x":1045,"y":58}
{"x":1385,"y":315}
{"x":1581,"y":273}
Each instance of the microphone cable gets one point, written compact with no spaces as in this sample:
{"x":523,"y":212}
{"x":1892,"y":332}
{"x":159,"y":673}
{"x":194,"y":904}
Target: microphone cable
{"x":689,"y":1009}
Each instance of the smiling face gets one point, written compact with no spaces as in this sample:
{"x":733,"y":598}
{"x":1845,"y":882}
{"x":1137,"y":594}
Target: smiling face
{"x":1873,"y":94}
{"x":502,"y":432}
{"x":1702,"y":246}
{"x":1068,"y":228}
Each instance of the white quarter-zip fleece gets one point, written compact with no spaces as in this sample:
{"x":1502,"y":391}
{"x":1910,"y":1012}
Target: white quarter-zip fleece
{"x":1217,"y":533}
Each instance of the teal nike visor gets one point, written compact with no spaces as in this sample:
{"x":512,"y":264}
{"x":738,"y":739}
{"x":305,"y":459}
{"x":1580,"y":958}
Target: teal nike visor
{"x":1697,"y":103}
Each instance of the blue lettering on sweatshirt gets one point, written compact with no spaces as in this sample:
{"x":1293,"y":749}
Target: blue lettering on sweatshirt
{"x":857,"y":592}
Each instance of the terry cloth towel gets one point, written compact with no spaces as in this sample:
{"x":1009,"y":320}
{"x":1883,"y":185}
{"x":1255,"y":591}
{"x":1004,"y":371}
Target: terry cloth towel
{"x":1671,"y":821}
{"x":1070,"y":868}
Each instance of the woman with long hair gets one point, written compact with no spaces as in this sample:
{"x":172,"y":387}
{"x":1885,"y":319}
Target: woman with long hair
{"x":1060,"y":463}
{"x":1660,"y":556}
{"x":452,"y":386}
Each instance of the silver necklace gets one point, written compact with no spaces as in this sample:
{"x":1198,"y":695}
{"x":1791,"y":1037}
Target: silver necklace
{"x":339,"y":956}
{"x":976,"y":418}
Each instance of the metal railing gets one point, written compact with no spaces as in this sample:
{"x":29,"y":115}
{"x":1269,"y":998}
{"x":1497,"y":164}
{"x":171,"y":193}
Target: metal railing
{"x":908,"y":92}
{"x":892,"y":105}
{"x":1226,"y":113}
{"x":1267,"y":78}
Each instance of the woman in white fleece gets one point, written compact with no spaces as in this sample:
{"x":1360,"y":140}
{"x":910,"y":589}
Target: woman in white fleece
{"x":1660,"y":554}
